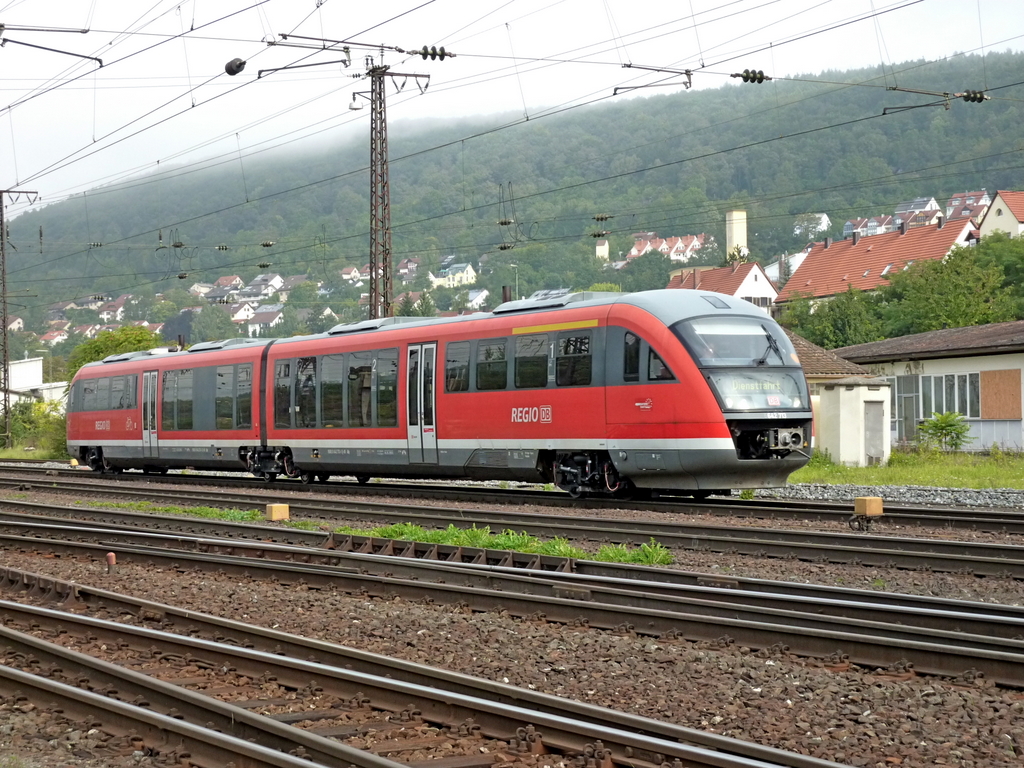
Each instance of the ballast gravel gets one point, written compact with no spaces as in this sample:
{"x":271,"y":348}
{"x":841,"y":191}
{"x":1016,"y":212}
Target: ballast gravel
{"x":828,"y":709}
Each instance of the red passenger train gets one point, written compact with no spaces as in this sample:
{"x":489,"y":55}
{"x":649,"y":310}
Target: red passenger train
{"x":596,"y":393}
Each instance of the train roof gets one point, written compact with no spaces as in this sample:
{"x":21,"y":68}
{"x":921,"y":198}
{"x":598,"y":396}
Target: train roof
{"x":668,"y":306}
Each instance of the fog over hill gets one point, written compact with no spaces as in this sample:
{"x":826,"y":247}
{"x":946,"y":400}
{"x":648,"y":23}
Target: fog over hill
{"x":670,"y":164}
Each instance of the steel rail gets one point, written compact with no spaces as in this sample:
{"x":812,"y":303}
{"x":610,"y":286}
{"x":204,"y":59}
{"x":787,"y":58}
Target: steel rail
{"x":154,"y":729}
{"x":167,"y":698}
{"x":1002,"y":666}
{"x":982,"y":559}
{"x":980,"y":628}
{"x":983,"y":519}
{"x":496,"y":720}
{"x":396,"y":555}
{"x":331,"y":654}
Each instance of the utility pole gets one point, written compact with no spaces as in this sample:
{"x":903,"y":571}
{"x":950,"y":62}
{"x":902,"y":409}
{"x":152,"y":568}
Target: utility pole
{"x":5,"y":349}
{"x":380,"y":194}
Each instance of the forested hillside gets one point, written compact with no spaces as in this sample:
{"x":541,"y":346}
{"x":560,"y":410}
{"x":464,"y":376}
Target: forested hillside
{"x":666,"y":163}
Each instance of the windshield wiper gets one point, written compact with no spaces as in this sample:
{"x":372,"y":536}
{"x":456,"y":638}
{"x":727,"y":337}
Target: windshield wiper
{"x":773,"y":346}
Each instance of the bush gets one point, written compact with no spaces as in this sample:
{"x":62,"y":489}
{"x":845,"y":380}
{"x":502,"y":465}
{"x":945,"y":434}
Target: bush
{"x":947,"y":431}
{"x":39,"y":425}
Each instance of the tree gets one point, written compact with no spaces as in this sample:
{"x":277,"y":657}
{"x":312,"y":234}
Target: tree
{"x":845,"y":319}
{"x":212,"y":324}
{"x":609,"y":287}
{"x":425,"y":306}
{"x":406,"y":307}
{"x":130,"y":338}
{"x":954,"y":292}
{"x":1007,"y":253}
{"x":303,"y":296}
{"x":647,"y":272}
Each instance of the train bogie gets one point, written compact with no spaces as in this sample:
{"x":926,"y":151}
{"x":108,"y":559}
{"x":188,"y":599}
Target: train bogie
{"x":593,"y":393}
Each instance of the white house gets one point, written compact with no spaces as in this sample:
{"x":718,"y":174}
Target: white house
{"x":261,"y":322}
{"x":975,"y":371}
{"x":27,"y":382}
{"x":1006,"y":214}
{"x":745,"y":281}
{"x":454,"y":276}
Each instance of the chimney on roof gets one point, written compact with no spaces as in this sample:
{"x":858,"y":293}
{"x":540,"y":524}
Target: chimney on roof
{"x":856,"y":237}
{"x":941,"y":221}
{"x":828,"y":243}
{"x":903,"y":226}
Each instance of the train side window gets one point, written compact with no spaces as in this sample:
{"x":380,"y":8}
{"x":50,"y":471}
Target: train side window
{"x":656,"y":368}
{"x":103,"y":394}
{"x":531,"y":361}
{"x":225,"y":397}
{"x":169,"y":398}
{"x":360,"y":389}
{"x":89,"y":395}
{"x":305,"y":392}
{"x":131,"y":391}
{"x":75,"y":397}
{"x":631,"y":357}
{"x":283,"y":394}
{"x":491,"y":364}
{"x":243,"y":383}
{"x":117,"y":392}
{"x":332,"y":390}
{"x":573,"y":363}
{"x":456,"y":367}
{"x":387,"y":388}
{"x":184,"y":414}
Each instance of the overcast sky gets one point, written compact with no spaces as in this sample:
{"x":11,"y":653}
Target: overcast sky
{"x":161,"y":96}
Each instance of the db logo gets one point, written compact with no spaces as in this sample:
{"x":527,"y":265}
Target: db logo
{"x":645,"y":405}
{"x":533,"y":414}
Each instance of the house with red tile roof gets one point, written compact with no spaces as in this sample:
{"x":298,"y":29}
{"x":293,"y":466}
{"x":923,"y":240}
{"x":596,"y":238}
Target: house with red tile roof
{"x":962,"y":199}
{"x":53,"y":337}
{"x":864,"y":263}
{"x":676,"y":248}
{"x":745,"y":281}
{"x":229,"y":281}
{"x":1006,"y":214}
{"x":873,"y":225}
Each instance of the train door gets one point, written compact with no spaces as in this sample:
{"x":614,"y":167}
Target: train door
{"x":149,"y":397}
{"x":420,"y":416}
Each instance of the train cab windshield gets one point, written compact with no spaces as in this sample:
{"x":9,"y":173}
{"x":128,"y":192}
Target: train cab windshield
{"x":749,"y":363}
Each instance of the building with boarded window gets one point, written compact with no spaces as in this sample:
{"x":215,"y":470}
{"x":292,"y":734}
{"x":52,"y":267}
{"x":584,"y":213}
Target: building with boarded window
{"x":975,"y":371}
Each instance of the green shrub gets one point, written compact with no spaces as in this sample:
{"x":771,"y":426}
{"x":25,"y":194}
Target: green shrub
{"x":41,"y":426}
{"x":947,"y":431}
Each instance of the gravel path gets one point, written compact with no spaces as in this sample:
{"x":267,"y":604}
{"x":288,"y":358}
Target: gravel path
{"x":829,"y":710}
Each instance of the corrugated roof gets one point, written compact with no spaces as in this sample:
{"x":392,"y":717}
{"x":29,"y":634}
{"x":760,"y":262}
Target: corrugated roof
{"x":864,"y":265}
{"x":995,"y":338}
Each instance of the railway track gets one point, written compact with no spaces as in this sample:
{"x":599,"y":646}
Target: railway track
{"x":393,"y":708}
{"x":938,"y":638}
{"x":979,"y":558}
{"x":1010,"y":521}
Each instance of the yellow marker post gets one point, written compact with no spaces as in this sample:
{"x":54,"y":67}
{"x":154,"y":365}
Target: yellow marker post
{"x":277,"y":512}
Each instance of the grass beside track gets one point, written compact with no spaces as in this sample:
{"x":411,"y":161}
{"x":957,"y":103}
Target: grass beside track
{"x":922,"y":468}
{"x":481,"y":538}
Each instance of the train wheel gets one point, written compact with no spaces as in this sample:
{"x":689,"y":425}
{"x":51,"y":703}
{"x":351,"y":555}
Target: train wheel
{"x":269,"y":477}
{"x":306,"y":477}
{"x":575,"y":492}
{"x":323,"y":477}
{"x":94,"y":459}
{"x":108,"y":467}
{"x":362,"y":479}
{"x":701,"y":495}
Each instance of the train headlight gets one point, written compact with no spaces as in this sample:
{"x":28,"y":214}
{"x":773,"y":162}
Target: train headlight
{"x":796,"y":402}
{"x":728,"y":402}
